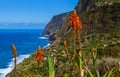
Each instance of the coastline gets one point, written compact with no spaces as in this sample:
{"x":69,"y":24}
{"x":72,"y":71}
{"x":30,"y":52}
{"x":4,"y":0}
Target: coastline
{"x":19,"y":60}
{"x":11,"y":64}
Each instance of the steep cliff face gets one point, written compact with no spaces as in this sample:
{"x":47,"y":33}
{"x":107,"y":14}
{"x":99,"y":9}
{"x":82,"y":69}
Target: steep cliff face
{"x":103,"y":18}
{"x":96,"y":15}
{"x":57,"y":21}
{"x":54,"y":25}
{"x":85,"y":5}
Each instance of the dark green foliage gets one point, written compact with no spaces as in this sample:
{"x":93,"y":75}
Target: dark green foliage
{"x":109,"y":52}
{"x":103,"y":19}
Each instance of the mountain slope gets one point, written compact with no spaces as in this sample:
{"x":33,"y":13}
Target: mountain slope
{"x":96,"y":8}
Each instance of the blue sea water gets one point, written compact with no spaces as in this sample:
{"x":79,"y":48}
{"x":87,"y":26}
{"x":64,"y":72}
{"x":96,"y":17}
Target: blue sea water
{"x":26,"y":42}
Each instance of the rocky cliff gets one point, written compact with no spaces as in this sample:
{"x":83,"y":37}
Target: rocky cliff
{"x":54,"y":25}
{"x":57,"y":21}
{"x":94,"y":15}
{"x":60,"y":22}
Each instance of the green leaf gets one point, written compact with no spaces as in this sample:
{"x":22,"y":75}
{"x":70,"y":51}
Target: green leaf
{"x":89,"y":72}
{"x":110,"y":73}
{"x":50,"y":66}
{"x":79,"y":63}
{"x":105,"y":75}
{"x":95,"y":55}
{"x":65,"y":75}
{"x":98,"y":74}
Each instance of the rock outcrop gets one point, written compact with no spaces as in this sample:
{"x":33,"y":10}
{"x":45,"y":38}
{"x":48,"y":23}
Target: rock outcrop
{"x":54,"y":25}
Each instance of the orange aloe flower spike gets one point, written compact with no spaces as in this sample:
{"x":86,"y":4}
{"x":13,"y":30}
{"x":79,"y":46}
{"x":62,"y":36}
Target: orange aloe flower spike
{"x":74,"y":26}
{"x":65,"y":44}
{"x":14,"y":50}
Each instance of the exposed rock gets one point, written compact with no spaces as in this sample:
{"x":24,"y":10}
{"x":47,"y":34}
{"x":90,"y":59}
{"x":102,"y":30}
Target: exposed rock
{"x":52,"y":37}
{"x":57,"y":21}
{"x":54,"y":25}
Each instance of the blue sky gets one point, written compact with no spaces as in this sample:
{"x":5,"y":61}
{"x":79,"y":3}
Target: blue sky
{"x":33,"y":11}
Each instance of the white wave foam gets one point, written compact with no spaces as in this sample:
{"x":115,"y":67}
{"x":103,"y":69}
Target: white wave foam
{"x":42,"y":38}
{"x":47,"y":45}
{"x":4,"y":72}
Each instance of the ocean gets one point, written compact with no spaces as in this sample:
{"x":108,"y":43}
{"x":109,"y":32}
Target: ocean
{"x":26,"y":42}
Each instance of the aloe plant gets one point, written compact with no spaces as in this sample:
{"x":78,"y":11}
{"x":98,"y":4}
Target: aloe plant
{"x":94,"y":62}
{"x":79,"y":64}
{"x":50,"y":66}
{"x":109,"y":73}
